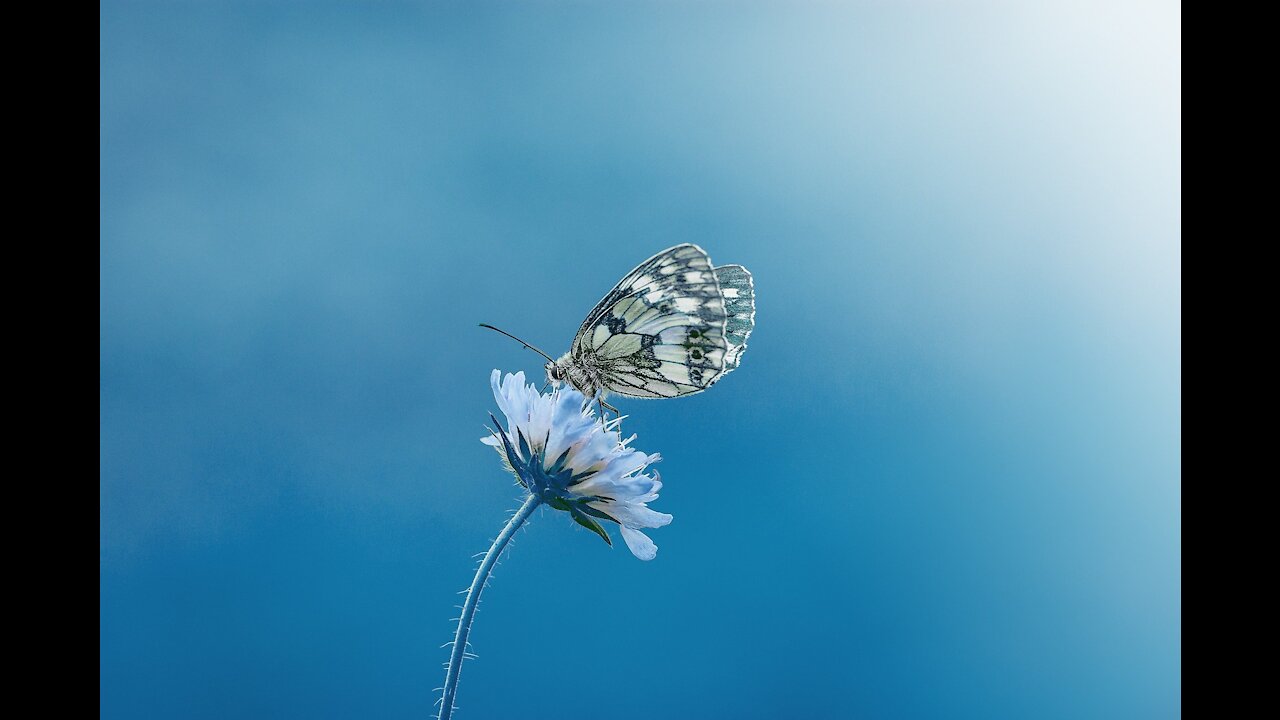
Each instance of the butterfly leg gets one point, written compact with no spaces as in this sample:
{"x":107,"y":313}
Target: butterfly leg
{"x":606,"y":406}
{"x":600,"y":403}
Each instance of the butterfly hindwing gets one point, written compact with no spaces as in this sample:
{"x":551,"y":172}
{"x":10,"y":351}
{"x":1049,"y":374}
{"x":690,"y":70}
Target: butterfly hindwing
{"x":661,"y":331}
{"x":739,"y":293}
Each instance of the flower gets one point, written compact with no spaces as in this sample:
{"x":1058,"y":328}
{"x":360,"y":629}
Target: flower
{"x":560,"y":452}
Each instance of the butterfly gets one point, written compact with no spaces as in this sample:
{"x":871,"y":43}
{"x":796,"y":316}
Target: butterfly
{"x":673,"y":326}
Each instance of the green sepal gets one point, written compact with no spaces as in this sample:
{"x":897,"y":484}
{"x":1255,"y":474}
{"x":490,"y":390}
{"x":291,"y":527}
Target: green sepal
{"x":583,"y":515}
{"x":558,"y":466}
{"x":596,"y":513}
{"x":589,"y":523}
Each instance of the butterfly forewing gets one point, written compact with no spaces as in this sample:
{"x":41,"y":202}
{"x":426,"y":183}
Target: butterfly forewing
{"x":661,"y":332}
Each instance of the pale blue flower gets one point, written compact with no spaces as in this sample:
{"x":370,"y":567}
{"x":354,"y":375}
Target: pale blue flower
{"x":561,"y":453}
{"x":568,"y":459}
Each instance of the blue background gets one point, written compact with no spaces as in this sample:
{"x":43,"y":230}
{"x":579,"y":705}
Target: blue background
{"x":946,"y":481}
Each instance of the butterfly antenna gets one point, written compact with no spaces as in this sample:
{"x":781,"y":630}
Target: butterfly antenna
{"x":513,"y":337}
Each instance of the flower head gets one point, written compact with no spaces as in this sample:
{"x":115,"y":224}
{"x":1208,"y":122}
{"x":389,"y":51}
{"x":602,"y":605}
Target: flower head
{"x":561,"y":452}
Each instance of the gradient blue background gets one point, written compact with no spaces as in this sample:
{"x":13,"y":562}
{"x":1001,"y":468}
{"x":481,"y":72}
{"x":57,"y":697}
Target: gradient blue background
{"x":946,"y":482}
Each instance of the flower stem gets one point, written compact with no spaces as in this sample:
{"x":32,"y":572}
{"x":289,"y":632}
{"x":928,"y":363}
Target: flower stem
{"x":473,"y":598}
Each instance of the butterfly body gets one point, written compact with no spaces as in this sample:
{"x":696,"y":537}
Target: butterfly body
{"x":673,"y":326}
{"x":583,"y":373}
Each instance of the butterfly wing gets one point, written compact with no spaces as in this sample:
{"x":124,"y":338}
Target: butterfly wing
{"x":739,"y":293}
{"x":661,"y":332}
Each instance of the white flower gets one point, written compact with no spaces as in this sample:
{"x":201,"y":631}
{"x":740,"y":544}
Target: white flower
{"x":561,"y":452}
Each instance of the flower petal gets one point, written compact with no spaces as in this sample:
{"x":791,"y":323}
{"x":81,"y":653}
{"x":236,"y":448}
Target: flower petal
{"x":639,"y":544}
{"x":634,"y":515}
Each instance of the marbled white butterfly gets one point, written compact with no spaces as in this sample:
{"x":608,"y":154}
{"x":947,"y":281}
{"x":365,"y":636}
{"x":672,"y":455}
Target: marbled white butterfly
{"x":673,"y":326}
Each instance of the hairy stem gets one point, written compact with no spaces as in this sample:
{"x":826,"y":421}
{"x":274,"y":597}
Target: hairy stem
{"x":473,"y":597}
